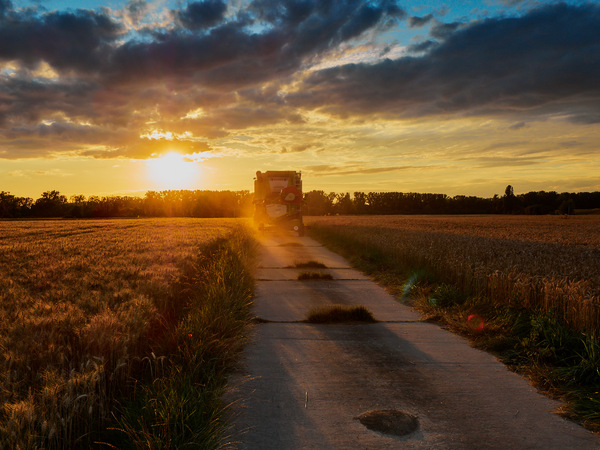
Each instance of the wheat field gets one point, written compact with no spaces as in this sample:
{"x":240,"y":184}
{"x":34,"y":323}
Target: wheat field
{"x":79,"y":301}
{"x":549,"y":263}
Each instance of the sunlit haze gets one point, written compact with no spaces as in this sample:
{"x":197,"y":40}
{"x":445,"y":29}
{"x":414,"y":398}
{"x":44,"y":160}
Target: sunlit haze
{"x":173,"y":171}
{"x":125,"y":96}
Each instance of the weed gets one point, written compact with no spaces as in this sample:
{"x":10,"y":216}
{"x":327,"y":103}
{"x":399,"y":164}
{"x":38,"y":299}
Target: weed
{"x":340,"y":314}
{"x":445,"y":296}
{"x":304,"y":276}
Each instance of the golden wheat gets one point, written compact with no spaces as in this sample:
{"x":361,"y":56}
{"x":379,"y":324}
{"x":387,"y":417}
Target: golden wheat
{"x":542,"y":262}
{"x":77,"y":299}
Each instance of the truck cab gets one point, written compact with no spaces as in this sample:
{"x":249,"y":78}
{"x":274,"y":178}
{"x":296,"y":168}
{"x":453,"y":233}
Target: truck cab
{"x":278,"y":200}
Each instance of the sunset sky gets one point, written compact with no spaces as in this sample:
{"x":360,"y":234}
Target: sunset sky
{"x":120,"y":97}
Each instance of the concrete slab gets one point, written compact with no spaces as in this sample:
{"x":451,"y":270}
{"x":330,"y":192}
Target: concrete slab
{"x":302,"y":386}
{"x":292,"y":250}
{"x":309,"y":382}
{"x":287,"y":301}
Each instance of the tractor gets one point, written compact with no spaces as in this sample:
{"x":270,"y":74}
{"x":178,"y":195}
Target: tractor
{"x":278,"y":200}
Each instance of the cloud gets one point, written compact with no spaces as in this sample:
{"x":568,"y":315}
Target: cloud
{"x":79,"y":40}
{"x":5,"y":5}
{"x":418,"y":22}
{"x":493,"y":161}
{"x":249,"y":64}
{"x":136,"y":10}
{"x":356,"y":169}
{"x":110,"y":76}
{"x":542,"y":63}
{"x":517,"y":126}
{"x":199,"y":15}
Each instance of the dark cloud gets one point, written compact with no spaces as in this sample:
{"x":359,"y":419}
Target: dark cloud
{"x":421,"y":47}
{"x":199,"y":15}
{"x":418,"y":22}
{"x":444,"y":30}
{"x":5,"y":5}
{"x":545,"y":62}
{"x":289,"y":12}
{"x":66,"y":40}
{"x":517,"y":126}
{"x":31,"y":100}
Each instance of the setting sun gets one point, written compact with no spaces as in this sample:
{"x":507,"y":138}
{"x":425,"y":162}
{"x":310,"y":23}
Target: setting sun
{"x":173,"y":171}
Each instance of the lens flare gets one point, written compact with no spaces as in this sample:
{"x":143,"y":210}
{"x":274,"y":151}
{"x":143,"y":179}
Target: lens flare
{"x":475,"y":322}
{"x":409,"y":285}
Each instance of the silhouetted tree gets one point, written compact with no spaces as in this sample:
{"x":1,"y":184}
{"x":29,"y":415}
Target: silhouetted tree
{"x":317,"y":203}
{"x":50,"y":204}
{"x":509,"y":200}
{"x":343,"y":204}
{"x":14,"y":207}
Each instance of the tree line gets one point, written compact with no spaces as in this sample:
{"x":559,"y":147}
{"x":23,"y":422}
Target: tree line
{"x":184,"y":203}
{"x":539,"y":202}
{"x":181,"y":203}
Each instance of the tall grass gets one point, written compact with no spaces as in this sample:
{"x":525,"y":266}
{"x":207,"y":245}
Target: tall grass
{"x":183,"y":407}
{"x":503,"y":259}
{"x":93,"y":314}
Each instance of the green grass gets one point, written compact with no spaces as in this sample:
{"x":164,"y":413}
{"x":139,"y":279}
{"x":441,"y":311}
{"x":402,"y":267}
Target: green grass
{"x":562,"y":362}
{"x":340,"y":314}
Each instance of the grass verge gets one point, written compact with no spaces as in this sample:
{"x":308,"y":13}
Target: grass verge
{"x":180,"y":405}
{"x":562,"y":362}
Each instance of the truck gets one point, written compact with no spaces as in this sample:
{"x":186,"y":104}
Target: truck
{"x":278,"y":200}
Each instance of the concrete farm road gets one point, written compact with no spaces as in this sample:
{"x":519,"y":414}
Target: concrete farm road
{"x":306,"y":386}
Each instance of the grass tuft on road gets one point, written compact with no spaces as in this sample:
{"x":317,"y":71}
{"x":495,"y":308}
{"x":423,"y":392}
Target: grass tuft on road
{"x":306,"y":276}
{"x":339,"y":314}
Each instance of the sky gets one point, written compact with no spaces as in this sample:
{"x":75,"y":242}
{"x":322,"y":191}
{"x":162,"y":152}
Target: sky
{"x":459,"y":98}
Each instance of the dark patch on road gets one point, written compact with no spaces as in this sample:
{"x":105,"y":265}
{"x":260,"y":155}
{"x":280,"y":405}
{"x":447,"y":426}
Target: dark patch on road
{"x":389,"y":421}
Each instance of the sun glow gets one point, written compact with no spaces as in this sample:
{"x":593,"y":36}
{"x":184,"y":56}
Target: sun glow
{"x":173,"y":171}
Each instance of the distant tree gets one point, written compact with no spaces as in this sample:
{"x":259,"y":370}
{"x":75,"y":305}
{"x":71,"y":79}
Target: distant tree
{"x":8,"y":205}
{"x":360,"y":203}
{"x":50,"y":204}
{"x":77,"y":206}
{"x":317,"y":203}
{"x":343,"y":204}
{"x":566,"y":205}
{"x":509,"y":200}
